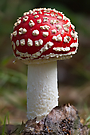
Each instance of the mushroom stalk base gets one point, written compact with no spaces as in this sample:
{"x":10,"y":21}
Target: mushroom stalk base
{"x":42,"y":93}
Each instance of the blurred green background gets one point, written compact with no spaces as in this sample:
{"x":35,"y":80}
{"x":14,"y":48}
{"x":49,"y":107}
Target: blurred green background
{"x":73,"y":74}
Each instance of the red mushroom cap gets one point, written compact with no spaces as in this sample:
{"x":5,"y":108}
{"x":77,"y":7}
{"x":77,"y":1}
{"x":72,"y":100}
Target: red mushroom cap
{"x":43,"y":35}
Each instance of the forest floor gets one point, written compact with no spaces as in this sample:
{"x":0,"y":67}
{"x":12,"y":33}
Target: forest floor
{"x":13,"y":104}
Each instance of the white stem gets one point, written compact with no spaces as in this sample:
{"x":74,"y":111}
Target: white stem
{"x":42,"y":93}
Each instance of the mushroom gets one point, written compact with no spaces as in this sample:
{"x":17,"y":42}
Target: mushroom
{"x":40,"y":38}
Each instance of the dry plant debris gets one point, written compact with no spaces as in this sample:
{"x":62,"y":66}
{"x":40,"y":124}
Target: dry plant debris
{"x":60,"y":121}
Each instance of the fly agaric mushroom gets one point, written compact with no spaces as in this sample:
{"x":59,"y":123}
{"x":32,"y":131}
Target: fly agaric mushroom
{"x":40,"y":38}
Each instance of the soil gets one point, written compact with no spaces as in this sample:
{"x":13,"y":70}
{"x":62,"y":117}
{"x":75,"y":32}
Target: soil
{"x":60,"y":121}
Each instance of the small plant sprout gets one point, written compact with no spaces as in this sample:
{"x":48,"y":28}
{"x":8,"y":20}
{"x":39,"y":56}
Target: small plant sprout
{"x":40,"y":38}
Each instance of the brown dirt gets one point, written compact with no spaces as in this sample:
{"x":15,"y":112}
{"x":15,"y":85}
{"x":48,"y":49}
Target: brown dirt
{"x":60,"y":121}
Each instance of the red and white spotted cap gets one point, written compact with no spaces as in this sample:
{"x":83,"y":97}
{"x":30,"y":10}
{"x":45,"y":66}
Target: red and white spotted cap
{"x":43,"y":35}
